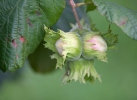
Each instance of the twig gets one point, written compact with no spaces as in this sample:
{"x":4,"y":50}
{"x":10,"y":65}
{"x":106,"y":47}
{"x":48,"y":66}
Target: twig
{"x":81,"y":4}
{"x":73,"y":5}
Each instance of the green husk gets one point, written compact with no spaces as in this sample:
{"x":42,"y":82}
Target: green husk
{"x":71,"y":45}
{"x":89,"y":52}
{"x":81,"y":70}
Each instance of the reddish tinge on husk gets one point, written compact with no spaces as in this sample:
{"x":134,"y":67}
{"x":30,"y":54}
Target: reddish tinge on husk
{"x":94,"y":46}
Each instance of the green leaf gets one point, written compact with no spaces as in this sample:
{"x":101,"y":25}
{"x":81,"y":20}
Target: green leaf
{"x":90,"y":5}
{"x":21,"y":28}
{"x":123,"y":17}
{"x":40,"y":59}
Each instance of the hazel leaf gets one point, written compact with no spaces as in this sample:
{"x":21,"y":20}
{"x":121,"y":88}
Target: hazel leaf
{"x":123,"y":17}
{"x":21,"y":28}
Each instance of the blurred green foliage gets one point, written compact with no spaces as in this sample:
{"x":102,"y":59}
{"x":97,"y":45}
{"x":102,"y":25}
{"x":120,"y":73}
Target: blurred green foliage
{"x":119,"y":80}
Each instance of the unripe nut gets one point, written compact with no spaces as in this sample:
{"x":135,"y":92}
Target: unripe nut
{"x":59,"y":46}
{"x":98,"y":43}
{"x":69,"y":46}
{"x":94,"y":46}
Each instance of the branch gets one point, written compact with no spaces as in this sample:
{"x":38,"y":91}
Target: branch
{"x":73,"y":5}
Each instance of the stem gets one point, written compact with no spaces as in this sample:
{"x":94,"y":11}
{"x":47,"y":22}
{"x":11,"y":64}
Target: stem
{"x":81,"y":4}
{"x":73,"y":5}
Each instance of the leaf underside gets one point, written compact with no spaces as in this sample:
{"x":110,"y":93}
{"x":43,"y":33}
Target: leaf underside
{"x":21,"y":28}
{"x":123,"y":17}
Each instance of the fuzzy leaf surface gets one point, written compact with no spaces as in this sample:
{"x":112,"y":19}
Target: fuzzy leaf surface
{"x":21,"y":28}
{"x":123,"y":17}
